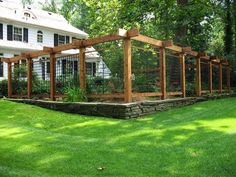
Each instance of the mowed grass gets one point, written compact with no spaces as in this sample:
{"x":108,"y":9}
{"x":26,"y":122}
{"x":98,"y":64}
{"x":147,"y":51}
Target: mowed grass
{"x":194,"y":141}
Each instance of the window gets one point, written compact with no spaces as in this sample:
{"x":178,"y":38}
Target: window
{"x":1,"y":66}
{"x":91,"y":69}
{"x":17,"y":34}
{"x":61,"y":39}
{"x":26,"y":14}
{"x":40,"y":37}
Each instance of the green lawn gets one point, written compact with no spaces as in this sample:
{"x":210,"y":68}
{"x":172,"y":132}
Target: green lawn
{"x":198,"y":140}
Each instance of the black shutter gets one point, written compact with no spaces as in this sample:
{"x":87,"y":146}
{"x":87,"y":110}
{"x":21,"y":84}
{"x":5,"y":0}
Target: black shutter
{"x":67,"y":39}
{"x":1,"y":31}
{"x":25,"y":34}
{"x":9,"y":32}
{"x":55,"y":39}
{"x":48,"y":67}
{"x":94,"y":69}
{"x":63,"y":66}
{"x":43,"y":70}
{"x":76,"y":66}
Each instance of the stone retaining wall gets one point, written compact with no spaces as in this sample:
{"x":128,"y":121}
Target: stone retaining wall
{"x":117,"y":110}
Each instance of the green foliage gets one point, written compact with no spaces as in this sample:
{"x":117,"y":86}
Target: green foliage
{"x":3,"y":88}
{"x":74,"y":94}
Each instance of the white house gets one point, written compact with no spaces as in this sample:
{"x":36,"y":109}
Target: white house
{"x":28,"y":29}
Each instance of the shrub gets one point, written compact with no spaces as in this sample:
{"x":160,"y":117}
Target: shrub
{"x":74,"y":94}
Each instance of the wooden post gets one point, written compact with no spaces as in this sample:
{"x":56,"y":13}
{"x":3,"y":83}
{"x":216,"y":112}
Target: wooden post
{"x":163,"y":72}
{"x":220,"y":78}
{"x":82,"y":69}
{"x":9,"y":85}
{"x":198,"y":77}
{"x":52,"y":76}
{"x":127,"y":71}
{"x":228,"y":78}
{"x":210,"y":77}
{"x":182,"y":74}
{"x":29,"y":77}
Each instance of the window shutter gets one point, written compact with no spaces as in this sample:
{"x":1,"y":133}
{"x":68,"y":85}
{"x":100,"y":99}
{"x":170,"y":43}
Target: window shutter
{"x":67,"y":39}
{"x":1,"y":31}
{"x":43,"y":70}
{"x":9,"y":32}
{"x":63,"y":66}
{"x":25,"y":34}
{"x":55,"y":39}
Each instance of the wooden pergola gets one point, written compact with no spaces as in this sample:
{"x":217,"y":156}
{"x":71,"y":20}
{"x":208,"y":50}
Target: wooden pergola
{"x":127,"y":36}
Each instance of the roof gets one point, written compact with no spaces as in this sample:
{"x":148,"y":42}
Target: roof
{"x":14,"y":12}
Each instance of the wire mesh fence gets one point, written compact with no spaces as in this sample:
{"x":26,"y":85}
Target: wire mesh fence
{"x":145,"y":68}
{"x":173,"y":72}
{"x":105,"y":70}
{"x":41,"y":77}
{"x":215,"y":77}
{"x":224,"y":78}
{"x":190,"y":71}
{"x":205,"y":76}
{"x":19,"y":78}
{"x":67,"y":73}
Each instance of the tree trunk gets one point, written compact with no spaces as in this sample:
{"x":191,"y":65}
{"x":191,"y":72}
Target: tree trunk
{"x":228,"y":39}
{"x":181,"y":31}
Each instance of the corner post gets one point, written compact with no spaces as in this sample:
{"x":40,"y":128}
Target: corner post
{"x":210,"y":77}
{"x":182,"y":74}
{"x":29,"y":76}
{"x":163,"y":72}
{"x":82,"y":69}
{"x":220,"y":78}
{"x":228,"y":78}
{"x":198,"y":77}
{"x":52,"y":76}
{"x":127,"y":71}
{"x":9,"y":84}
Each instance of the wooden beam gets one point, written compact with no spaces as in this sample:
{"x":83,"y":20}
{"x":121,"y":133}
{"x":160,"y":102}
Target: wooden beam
{"x":203,"y":56}
{"x":127,"y":71}
{"x":220,"y":78}
{"x":174,"y":93}
{"x":74,"y":45}
{"x":146,"y":94}
{"x":175,"y":48}
{"x":192,"y":53}
{"x":128,"y":33}
{"x":29,"y":76}
{"x":186,"y":49}
{"x":3,"y":59}
{"x":210,"y":77}
{"x":52,"y":76}
{"x":38,"y":54}
{"x":9,"y":85}
{"x":82,"y":69}
{"x":152,"y":41}
{"x":228,"y":78}
{"x":48,"y":49}
{"x":163,"y":72}
{"x":182,"y":74}
{"x":198,"y":77}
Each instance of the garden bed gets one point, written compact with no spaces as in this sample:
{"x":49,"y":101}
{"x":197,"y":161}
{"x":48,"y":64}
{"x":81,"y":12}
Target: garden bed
{"x":119,"y":110}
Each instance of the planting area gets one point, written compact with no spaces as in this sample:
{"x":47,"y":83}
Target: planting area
{"x":194,"y":141}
